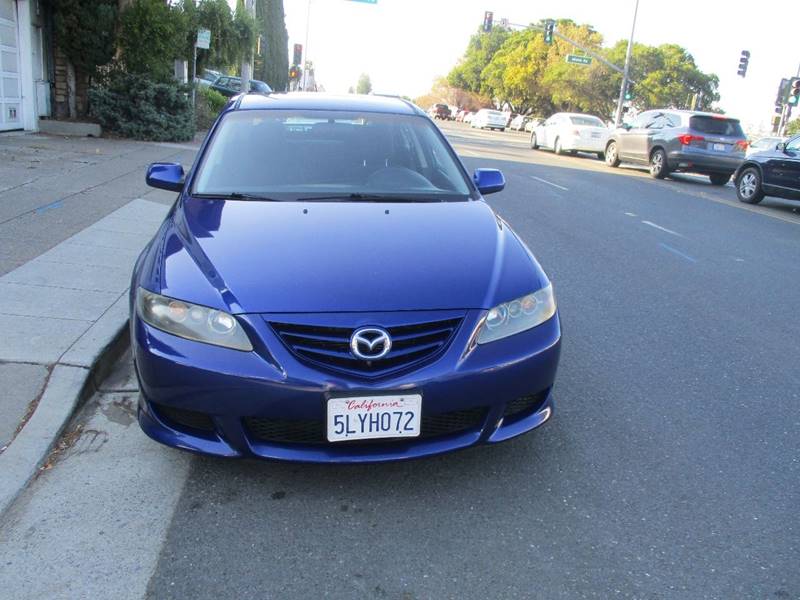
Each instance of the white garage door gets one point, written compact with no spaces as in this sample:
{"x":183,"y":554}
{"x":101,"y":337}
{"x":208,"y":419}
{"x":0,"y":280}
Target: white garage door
{"x":10,"y":87}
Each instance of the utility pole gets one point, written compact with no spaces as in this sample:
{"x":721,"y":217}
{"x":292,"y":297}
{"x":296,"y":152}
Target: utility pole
{"x":247,"y":61}
{"x":618,"y":117}
{"x":305,"y":47}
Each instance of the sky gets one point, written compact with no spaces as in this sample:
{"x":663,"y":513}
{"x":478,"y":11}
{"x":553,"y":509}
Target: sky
{"x":405,"y":44}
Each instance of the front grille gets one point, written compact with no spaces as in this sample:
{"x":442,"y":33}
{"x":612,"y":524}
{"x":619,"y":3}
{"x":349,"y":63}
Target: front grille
{"x":310,"y":431}
{"x":522,"y":407}
{"x":185,"y":418}
{"x":329,"y":347}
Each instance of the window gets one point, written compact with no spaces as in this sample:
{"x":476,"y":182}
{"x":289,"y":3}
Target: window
{"x":672,"y":120}
{"x":588,"y":121}
{"x":793,"y":145}
{"x":292,"y":154}
{"x":716,"y":125}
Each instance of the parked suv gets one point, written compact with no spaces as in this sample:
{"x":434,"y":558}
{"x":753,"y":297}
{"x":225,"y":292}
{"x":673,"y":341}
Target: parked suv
{"x":680,"y":140}
{"x":231,"y":86}
{"x":774,"y":172}
{"x":439,"y":111}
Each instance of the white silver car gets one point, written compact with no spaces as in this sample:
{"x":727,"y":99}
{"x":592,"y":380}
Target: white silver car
{"x":765,"y":143}
{"x":571,"y":132}
{"x":487,"y":118}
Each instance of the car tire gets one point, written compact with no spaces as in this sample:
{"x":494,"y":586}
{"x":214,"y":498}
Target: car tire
{"x":748,"y":186}
{"x":557,"y":147}
{"x":612,"y":155}
{"x":601,"y":155}
{"x":658,"y":164}
{"x":534,"y":143}
{"x":719,"y":178}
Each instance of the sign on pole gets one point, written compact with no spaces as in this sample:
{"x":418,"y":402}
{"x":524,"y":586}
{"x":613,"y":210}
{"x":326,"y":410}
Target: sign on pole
{"x":203,"y":39}
{"x":579,"y":60}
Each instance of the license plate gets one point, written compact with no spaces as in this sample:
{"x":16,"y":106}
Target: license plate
{"x":374,"y":417}
{"x":720,"y":147}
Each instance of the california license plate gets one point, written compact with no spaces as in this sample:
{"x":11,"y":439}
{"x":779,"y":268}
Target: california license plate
{"x":720,"y":147}
{"x":374,"y":417}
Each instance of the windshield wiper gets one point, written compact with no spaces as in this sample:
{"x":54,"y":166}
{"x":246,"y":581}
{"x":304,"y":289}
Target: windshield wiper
{"x":237,"y":196}
{"x":369,"y":198}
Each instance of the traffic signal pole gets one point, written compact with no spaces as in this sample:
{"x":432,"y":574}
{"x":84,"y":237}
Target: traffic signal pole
{"x":624,"y":86}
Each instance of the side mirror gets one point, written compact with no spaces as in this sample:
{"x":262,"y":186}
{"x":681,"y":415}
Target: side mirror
{"x":165,"y":176}
{"x":489,"y":181}
{"x":625,"y":126}
{"x":781,"y":147}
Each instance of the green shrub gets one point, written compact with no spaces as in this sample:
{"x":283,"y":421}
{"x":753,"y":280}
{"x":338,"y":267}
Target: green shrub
{"x":208,"y":104}
{"x":133,"y":106}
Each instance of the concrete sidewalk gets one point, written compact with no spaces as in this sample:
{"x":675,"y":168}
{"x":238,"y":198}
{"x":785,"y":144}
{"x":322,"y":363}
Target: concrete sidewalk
{"x":60,"y":313}
{"x":74,"y":215}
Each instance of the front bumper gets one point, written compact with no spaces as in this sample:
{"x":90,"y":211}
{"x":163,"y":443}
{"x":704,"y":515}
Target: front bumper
{"x":222,"y":393}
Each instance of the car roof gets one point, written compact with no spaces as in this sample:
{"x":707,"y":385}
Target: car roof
{"x":693,"y":113}
{"x":324,"y":101}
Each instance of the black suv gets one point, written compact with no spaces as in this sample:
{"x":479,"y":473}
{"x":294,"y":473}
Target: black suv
{"x":774,"y":172}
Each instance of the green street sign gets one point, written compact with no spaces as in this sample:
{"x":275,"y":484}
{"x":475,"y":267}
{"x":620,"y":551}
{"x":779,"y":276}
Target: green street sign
{"x":579,"y":60}
{"x":203,"y":38}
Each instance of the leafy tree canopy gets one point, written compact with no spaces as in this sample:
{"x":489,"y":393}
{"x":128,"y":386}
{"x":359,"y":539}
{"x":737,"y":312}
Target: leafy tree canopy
{"x":364,"y":85}
{"x":85,"y":31}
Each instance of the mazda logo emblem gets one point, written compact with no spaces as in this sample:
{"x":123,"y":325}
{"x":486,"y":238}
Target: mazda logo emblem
{"x":370,"y":343}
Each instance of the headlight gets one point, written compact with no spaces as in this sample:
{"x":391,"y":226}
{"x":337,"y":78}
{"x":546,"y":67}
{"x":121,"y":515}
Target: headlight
{"x":518,"y":315}
{"x":191,"y":321}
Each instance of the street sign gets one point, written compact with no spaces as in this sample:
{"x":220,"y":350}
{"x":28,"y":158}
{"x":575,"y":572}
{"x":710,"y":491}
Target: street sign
{"x":203,"y":39}
{"x":579,"y":60}
{"x":365,"y":1}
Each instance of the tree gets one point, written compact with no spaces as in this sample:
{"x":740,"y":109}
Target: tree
{"x":85,"y":33}
{"x":480,"y":50}
{"x":364,"y":85}
{"x":666,"y":76}
{"x":163,"y":28}
{"x":793,"y":127}
{"x":272,"y":64}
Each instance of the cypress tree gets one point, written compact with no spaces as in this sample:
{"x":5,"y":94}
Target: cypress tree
{"x":272,"y":63}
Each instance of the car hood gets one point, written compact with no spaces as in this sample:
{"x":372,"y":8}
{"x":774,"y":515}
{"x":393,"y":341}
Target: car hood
{"x":261,"y":257}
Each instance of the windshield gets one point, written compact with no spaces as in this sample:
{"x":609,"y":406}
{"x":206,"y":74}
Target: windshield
{"x":298,"y":154}
{"x":589,"y":121}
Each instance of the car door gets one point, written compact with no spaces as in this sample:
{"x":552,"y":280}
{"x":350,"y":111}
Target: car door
{"x":549,"y":130}
{"x":638,"y":137}
{"x":783,"y":168}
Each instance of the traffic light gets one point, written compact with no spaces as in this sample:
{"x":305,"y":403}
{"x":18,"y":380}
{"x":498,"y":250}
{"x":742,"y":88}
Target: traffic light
{"x":628,"y":91}
{"x":549,"y":28}
{"x":744,"y":60}
{"x":794,"y":92}
{"x":488,"y":16}
{"x":298,"y":54}
{"x":294,"y":72}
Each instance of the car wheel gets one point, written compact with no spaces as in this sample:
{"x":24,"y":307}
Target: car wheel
{"x":748,"y":186}
{"x":534,"y":143}
{"x":612,"y":157}
{"x":719,"y":178}
{"x":557,"y":147}
{"x":658,"y":164}
{"x":601,"y":155}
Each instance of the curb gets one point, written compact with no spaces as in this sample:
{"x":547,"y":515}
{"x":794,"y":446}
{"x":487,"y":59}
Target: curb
{"x":67,"y":388}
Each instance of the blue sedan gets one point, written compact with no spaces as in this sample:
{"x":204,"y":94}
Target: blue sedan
{"x":330,"y":286}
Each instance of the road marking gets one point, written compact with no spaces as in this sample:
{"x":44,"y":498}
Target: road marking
{"x":630,"y":214}
{"x":660,"y":228}
{"x":51,"y":206}
{"x":677,"y":252}
{"x":555,"y":185}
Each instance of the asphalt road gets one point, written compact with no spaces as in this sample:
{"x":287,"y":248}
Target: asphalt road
{"x":670,"y":469}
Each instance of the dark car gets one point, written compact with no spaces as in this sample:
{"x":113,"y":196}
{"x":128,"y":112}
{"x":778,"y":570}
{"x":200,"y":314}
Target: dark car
{"x":774,"y":172}
{"x":680,"y":141}
{"x":231,"y":86}
{"x":439,"y":111}
{"x":331,"y":286}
